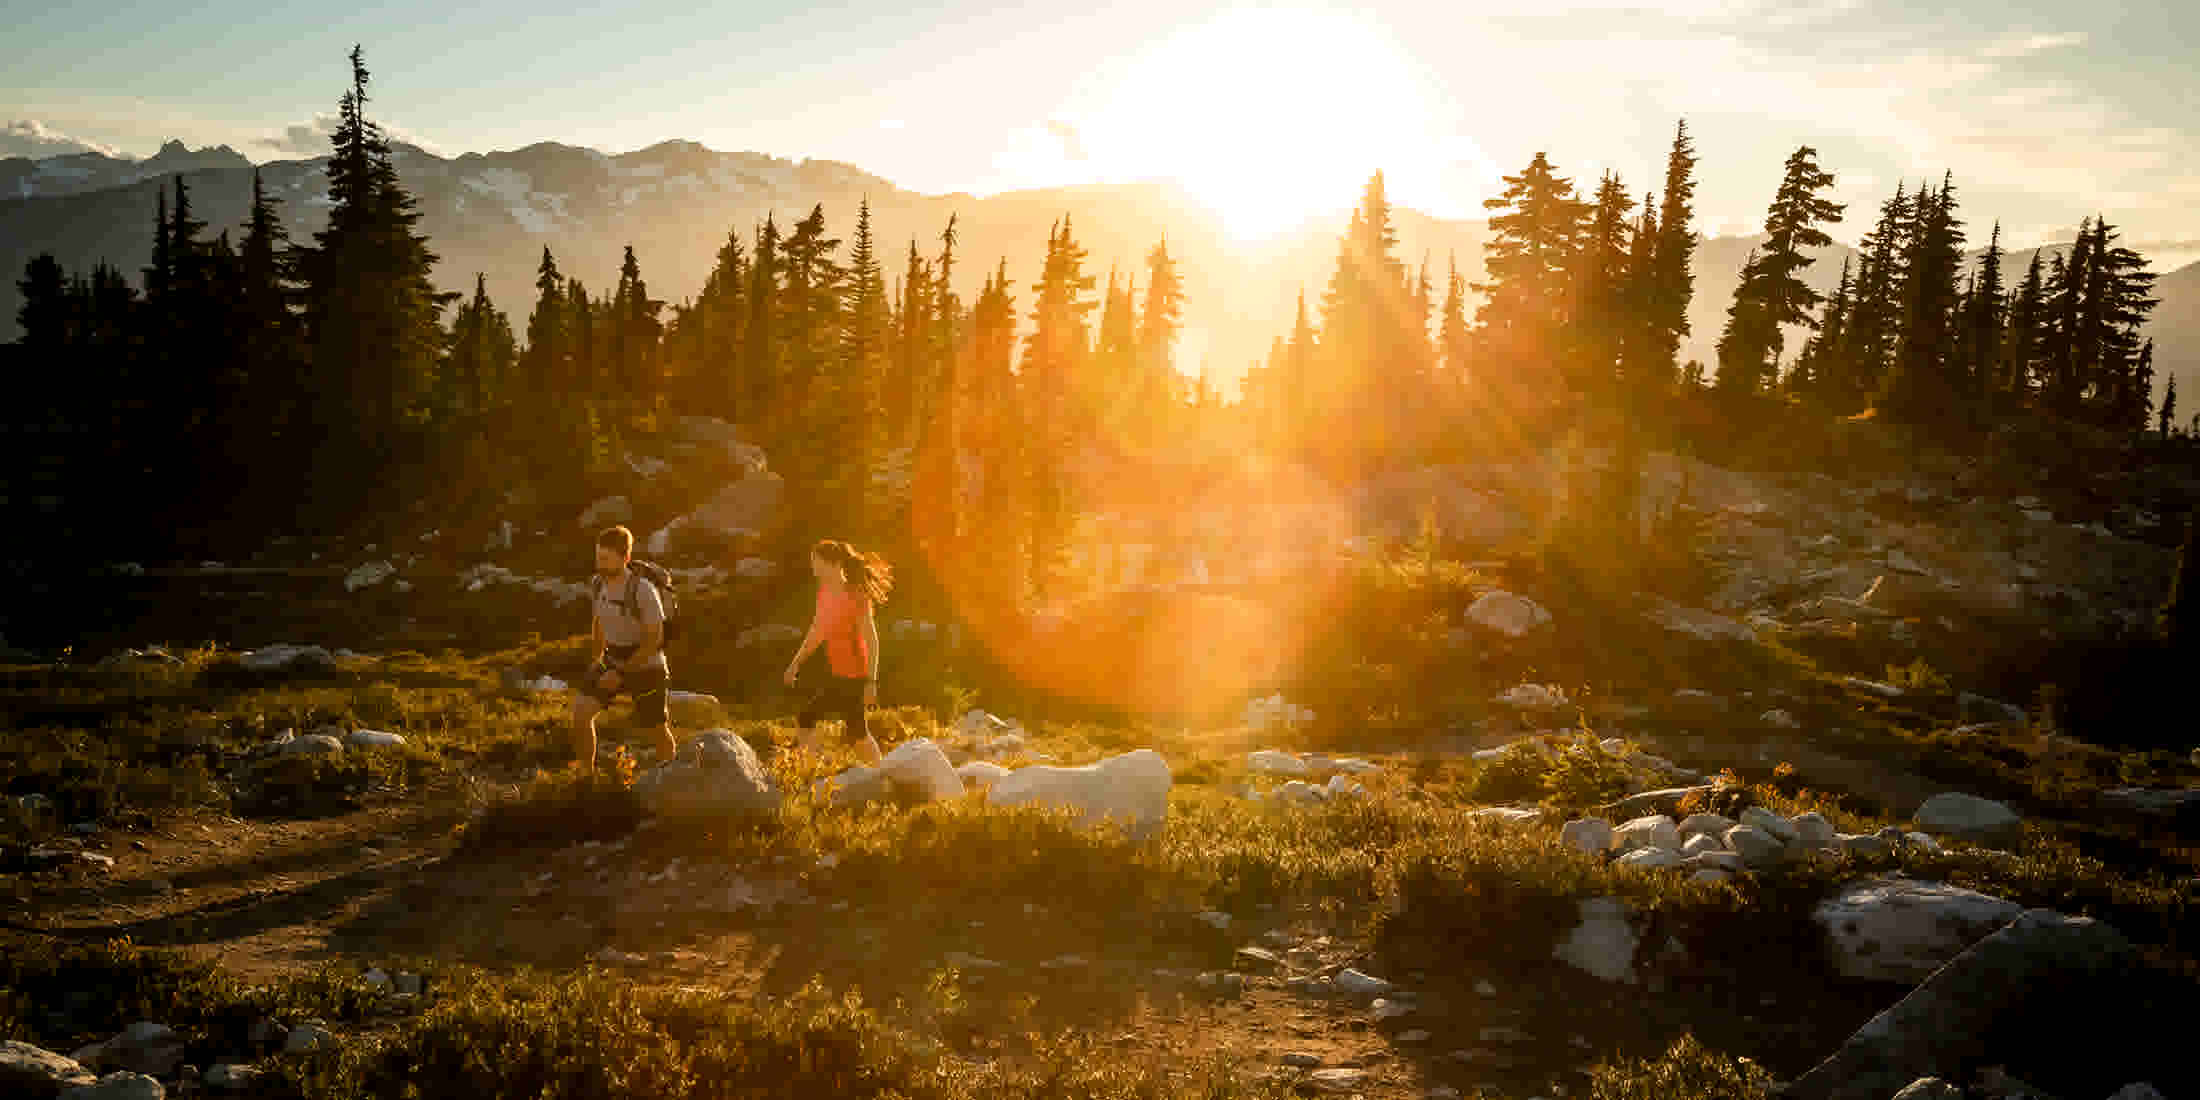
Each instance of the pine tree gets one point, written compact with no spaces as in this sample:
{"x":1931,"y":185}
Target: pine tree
{"x":585,"y":370}
{"x":1808,"y":379}
{"x":810,"y":287}
{"x":1856,"y":368}
{"x":854,"y":397}
{"x":710,"y":333}
{"x":1533,"y":250}
{"x":1452,"y":334}
{"x":1601,"y":288}
{"x":1365,"y":382}
{"x":2113,"y":305}
{"x":999,"y":516}
{"x":1672,"y":281}
{"x":2066,"y":376}
{"x":2178,"y":620}
{"x":1053,"y":354}
{"x":912,"y":340}
{"x":2168,"y":413}
{"x":482,"y":353}
{"x":1980,"y":337}
{"x":2020,"y":353}
{"x":1771,"y":294}
{"x":44,"y":313}
{"x":636,"y":331}
{"x":1645,"y":364}
{"x":1921,"y":387}
{"x":1158,"y":325}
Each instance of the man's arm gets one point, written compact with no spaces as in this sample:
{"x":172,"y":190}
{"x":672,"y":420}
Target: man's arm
{"x":595,"y":640}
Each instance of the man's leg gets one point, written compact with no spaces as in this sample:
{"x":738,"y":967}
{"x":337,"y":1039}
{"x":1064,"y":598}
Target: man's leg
{"x":585,"y":710}
{"x":653,"y":708}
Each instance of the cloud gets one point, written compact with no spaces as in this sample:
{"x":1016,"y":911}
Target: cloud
{"x":2026,"y":43}
{"x":311,"y":138}
{"x":1073,"y":146}
{"x":32,"y":138}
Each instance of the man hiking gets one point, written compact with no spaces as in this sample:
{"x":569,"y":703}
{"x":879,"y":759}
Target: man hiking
{"x":626,"y":652}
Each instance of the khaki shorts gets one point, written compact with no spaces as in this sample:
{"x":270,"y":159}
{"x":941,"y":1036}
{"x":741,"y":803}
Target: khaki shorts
{"x":646,"y":688}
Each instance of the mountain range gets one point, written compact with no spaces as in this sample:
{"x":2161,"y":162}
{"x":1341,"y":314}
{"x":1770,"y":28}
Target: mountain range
{"x":676,"y":201}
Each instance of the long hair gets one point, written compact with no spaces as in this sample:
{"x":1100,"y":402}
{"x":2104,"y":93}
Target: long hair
{"x":866,"y":573}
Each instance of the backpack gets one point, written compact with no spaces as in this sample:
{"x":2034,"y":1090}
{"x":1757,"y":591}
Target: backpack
{"x":658,"y":576}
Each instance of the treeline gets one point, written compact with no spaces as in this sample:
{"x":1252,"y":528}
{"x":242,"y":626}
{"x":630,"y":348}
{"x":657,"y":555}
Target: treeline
{"x":275,"y":385}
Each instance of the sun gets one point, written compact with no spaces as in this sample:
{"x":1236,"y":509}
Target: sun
{"x":1268,"y":116}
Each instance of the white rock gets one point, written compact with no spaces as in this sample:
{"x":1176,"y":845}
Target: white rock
{"x":1216,"y":920}
{"x":1769,"y":823}
{"x":1923,"y":841}
{"x":1705,"y":824}
{"x":1276,"y":762}
{"x":1603,"y":943}
{"x":369,"y":575}
{"x":1813,"y":831}
{"x":1340,"y":786}
{"x":373,"y":739}
{"x":1299,"y":792}
{"x":313,"y":744}
{"x":1507,"y":815}
{"x":1337,"y":1080}
{"x":1955,"y":812}
{"x":981,"y":774}
{"x":376,"y":978}
{"x":921,"y":767}
{"x":1482,"y":987}
{"x":1532,"y":696}
{"x":977,"y":723}
{"x":1132,"y":787}
{"x":1507,"y":614}
{"x":1756,"y":847}
{"x":1649,"y":859}
{"x":230,"y":1075}
{"x":1901,"y":930}
{"x":1710,"y":874}
{"x":1701,"y":843}
{"x":1876,"y":687}
{"x":1388,"y":1009}
{"x":284,"y":655}
{"x":120,"y":1085}
{"x":716,"y":776}
{"x":1357,"y":984}
{"x":1779,"y":718}
{"x":1588,"y":834}
{"x":1651,"y":831}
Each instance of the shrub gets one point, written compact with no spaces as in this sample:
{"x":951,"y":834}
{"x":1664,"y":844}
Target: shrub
{"x":1686,"y":1071}
{"x":1516,"y":775}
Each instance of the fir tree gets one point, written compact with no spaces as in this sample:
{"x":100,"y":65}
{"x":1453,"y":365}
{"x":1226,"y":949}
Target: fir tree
{"x":1772,"y":294}
{"x":1158,"y":325}
{"x":1452,"y":334}
{"x":1855,"y":369}
{"x":1672,"y":281}
{"x":854,"y":398}
{"x":761,"y":364}
{"x":2168,"y":413}
{"x":2019,"y":355}
{"x":1980,"y":338}
{"x":1053,"y":353}
{"x":1601,"y":286}
{"x":1531,"y":253}
{"x":1922,"y":387}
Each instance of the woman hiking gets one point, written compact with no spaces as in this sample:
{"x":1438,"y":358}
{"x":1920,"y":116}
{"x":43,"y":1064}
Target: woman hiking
{"x":850,"y":583}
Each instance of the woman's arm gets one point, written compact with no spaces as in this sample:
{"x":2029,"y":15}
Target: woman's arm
{"x":809,"y":645}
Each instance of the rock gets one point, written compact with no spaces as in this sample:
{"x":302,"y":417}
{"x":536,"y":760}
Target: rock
{"x":1532,"y":696}
{"x":1216,"y":920}
{"x":1756,"y":847}
{"x":284,"y":657}
{"x":1876,"y":687}
{"x":1652,"y":831}
{"x":748,"y":507}
{"x":1981,"y":708}
{"x":313,"y":744}
{"x":1132,"y":787}
{"x":920,"y":771}
{"x":1779,"y":718}
{"x":977,"y":723}
{"x":1923,"y":842}
{"x":35,"y":1073}
{"x":307,"y":1037}
{"x":1863,"y":847}
{"x":1386,"y":1009}
{"x":606,"y":512}
{"x":1929,"y":1088}
{"x":1966,"y":815}
{"x":230,"y":1075}
{"x":1663,"y":801}
{"x":2032,"y":971}
{"x":1507,"y":815}
{"x":1299,"y":792}
{"x":376,"y":978}
{"x":1357,"y":984}
{"x":2152,"y":802}
{"x":1276,"y":762}
{"x":120,"y":1085}
{"x":1337,"y":1080}
{"x":1701,"y":843}
{"x":1893,"y":929}
{"x":1483,"y":988}
{"x":408,"y":983}
{"x":1709,"y":874}
{"x":266,"y":1032}
{"x":1588,"y":834}
{"x":1649,"y":859}
{"x":1340,"y":786}
{"x":981,"y":774}
{"x":1507,"y":614}
{"x":1769,"y":823}
{"x":715,"y":776}
{"x":1603,"y":944}
{"x":1812,"y":830}
{"x":143,"y":1047}
{"x":1705,"y":824}
{"x":1300,"y":1061}
{"x":1704,"y":626}
{"x":1718,"y":861}
{"x":372,"y":739}
{"x":2138,"y":1091}
{"x":1007,"y":744}
{"x":369,"y":575}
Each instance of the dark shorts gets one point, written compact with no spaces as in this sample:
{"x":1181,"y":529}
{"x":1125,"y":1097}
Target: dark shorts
{"x":837,"y":697}
{"x":646,"y":688}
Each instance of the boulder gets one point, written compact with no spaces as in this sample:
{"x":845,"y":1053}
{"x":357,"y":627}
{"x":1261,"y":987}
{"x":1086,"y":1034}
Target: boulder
{"x":1862,"y":846}
{"x":1756,"y":847}
{"x":1650,"y":859}
{"x":231,"y":1076}
{"x":1712,"y":824}
{"x":981,"y":774}
{"x":1132,"y":788}
{"x":607,"y":511}
{"x":143,"y":1047}
{"x":1813,"y":831}
{"x":1966,"y":815}
{"x":1665,"y":801}
{"x":750,"y":506}
{"x":920,"y":771}
{"x":313,"y":744}
{"x":855,"y":787}
{"x":119,"y":1085}
{"x":1929,"y":1088}
{"x":307,"y":1036}
{"x":368,"y":575}
{"x":37,"y":1074}
{"x":715,"y":776}
{"x":1603,"y":943}
{"x":1277,"y":762}
{"x":1701,"y":843}
{"x":283,"y":656}
{"x":1979,"y":708}
{"x":1704,"y":626}
{"x":1894,"y":929}
{"x":1653,"y":831}
{"x":1357,"y":984}
{"x":1507,"y":614}
{"x":1506,"y":815}
{"x":1769,"y":823}
{"x":2031,"y":971}
{"x":2153,"y":802}
{"x":373,"y":739}
{"x":1588,"y":834}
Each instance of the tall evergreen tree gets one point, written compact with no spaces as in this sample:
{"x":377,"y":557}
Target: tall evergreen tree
{"x":1158,"y":325}
{"x":1053,"y":353}
{"x":1601,"y":286}
{"x":1672,"y":281}
{"x":1452,"y":333}
{"x":2168,"y":413}
{"x":1922,"y":388}
{"x":1979,"y":341}
{"x":1533,"y":249}
{"x":762,"y":367}
{"x":854,"y":398}
{"x":2020,"y":352}
{"x":1772,"y":294}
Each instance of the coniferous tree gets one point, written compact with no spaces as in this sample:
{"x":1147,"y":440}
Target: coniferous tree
{"x":1053,"y":353}
{"x":2019,"y":356}
{"x":912,"y":339}
{"x":708,"y":334}
{"x":1808,"y":378}
{"x":2168,"y":413}
{"x":1921,"y":386}
{"x":1158,"y":325}
{"x":1772,"y":294}
{"x":1452,"y":333}
{"x":2064,"y":387}
{"x":2114,"y":304}
{"x":809,"y":306}
{"x":1979,"y":339}
{"x":1671,"y":284}
{"x":853,"y":400}
{"x":999,"y":518}
{"x":45,"y":311}
{"x":1645,"y":364}
{"x":761,"y":363}
{"x":1855,"y":369}
{"x":1532,"y":252}
{"x":1601,"y":289}
{"x":482,"y":353}
{"x":637,"y":331}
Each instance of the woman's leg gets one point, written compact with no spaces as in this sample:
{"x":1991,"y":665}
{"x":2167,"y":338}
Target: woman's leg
{"x":858,"y":719}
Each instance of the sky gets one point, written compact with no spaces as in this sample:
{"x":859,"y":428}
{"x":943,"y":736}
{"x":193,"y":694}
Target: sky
{"x":1273,"y":113}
